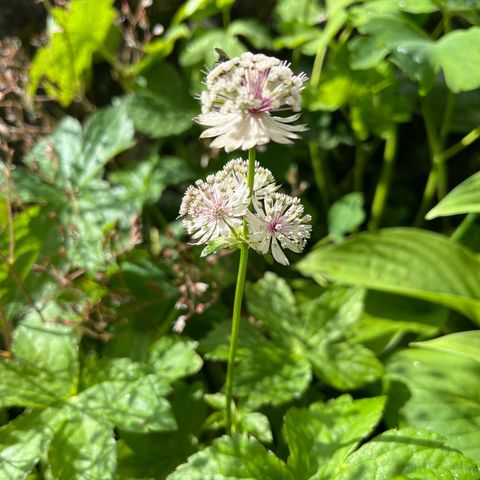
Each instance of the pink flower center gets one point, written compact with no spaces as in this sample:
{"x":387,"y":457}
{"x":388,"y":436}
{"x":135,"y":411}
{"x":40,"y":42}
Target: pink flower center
{"x":274,"y":225}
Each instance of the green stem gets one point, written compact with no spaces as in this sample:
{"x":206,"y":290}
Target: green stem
{"x":317,"y":67}
{"x":383,"y":185}
{"x":462,"y":229}
{"x":319,"y":172}
{"x":437,"y":179}
{"x":237,"y":303}
{"x":466,"y":141}
{"x":226,"y":17}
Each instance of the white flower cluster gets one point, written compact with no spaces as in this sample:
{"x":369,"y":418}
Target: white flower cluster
{"x":216,"y":209}
{"x":241,"y":94}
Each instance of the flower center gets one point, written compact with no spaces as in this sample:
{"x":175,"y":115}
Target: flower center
{"x":274,"y":225}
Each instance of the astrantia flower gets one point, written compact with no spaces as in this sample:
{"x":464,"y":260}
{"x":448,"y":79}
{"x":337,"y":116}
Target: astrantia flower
{"x":263,"y":183}
{"x":216,"y":206}
{"x":241,"y":95}
{"x":280,"y":224}
{"x":213,"y":208}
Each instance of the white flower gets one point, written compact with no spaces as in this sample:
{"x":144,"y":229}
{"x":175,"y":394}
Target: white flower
{"x":213,"y":208}
{"x":240,"y":97}
{"x":263,"y":182}
{"x":280,"y":224}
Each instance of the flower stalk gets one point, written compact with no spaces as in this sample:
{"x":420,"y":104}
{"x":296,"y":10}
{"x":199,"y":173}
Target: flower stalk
{"x":237,"y":303}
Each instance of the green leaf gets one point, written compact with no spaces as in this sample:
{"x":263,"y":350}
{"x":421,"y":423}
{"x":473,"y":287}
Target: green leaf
{"x":406,"y":454}
{"x":155,"y":455}
{"x":346,"y":214}
{"x":458,"y":53}
{"x":138,"y":406}
{"x":464,"y":198}
{"x":171,"y":358}
{"x":51,"y":348}
{"x":466,"y":344}
{"x":442,"y":395}
{"x":105,"y":134}
{"x":201,"y":49}
{"x":24,"y":440}
{"x":64,"y":63}
{"x":145,"y":181}
{"x":246,"y":421}
{"x":255,"y":32}
{"x":212,"y":246}
{"x":160,"y":105}
{"x":404,"y":261}
{"x":83,"y":447}
{"x":232,"y":458}
{"x":321,"y":436}
{"x":272,"y":301}
{"x":268,"y":371}
{"x":44,"y":369}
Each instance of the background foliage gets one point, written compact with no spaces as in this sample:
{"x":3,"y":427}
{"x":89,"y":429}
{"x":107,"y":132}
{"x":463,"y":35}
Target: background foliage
{"x":359,"y":362}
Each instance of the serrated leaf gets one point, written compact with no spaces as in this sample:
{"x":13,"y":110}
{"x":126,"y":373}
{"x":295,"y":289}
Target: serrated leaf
{"x":464,"y":198}
{"x":83,"y":447}
{"x":24,"y":440}
{"x":172,"y":359}
{"x":443,"y":395}
{"x":65,"y":62}
{"x":321,"y":436}
{"x":138,"y":406}
{"x":406,"y":453}
{"x":232,"y":458}
{"x":466,"y":344}
{"x":44,"y":369}
{"x":145,"y":181}
{"x":404,"y":261}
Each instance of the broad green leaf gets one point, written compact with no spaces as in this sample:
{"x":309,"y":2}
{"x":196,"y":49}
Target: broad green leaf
{"x":138,"y":406}
{"x":64,"y":63}
{"x":404,"y":261}
{"x":105,"y":134}
{"x":164,"y":45}
{"x":155,"y":455}
{"x":464,"y":198}
{"x":160,"y":105}
{"x":272,"y":301}
{"x":458,"y":53}
{"x":442,"y":395}
{"x":145,"y":181}
{"x":51,"y":348}
{"x":466,"y":344}
{"x":322,"y":435}
{"x":406,"y":454}
{"x":389,"y":318}
{"x":272,"y":375}
{"x":83,"y":447}
{"x":24,"y":440}
{"x":346,"y":214}
{"x":171,"y":358}
{"x":268,"y":371}
{"x":232,"y":458}
{"x":44,"y":369}
{"x":345,"y":366}
{"x":287,"y":12}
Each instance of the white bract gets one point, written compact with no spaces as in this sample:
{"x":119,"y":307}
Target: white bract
{"x":280,"y":223}
{"x":240,"y":97}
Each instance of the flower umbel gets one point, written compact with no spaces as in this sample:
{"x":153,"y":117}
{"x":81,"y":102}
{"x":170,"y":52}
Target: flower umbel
{"x":280,"y":224}
{"x":213,"y":208}
{"x":240,"y":97}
